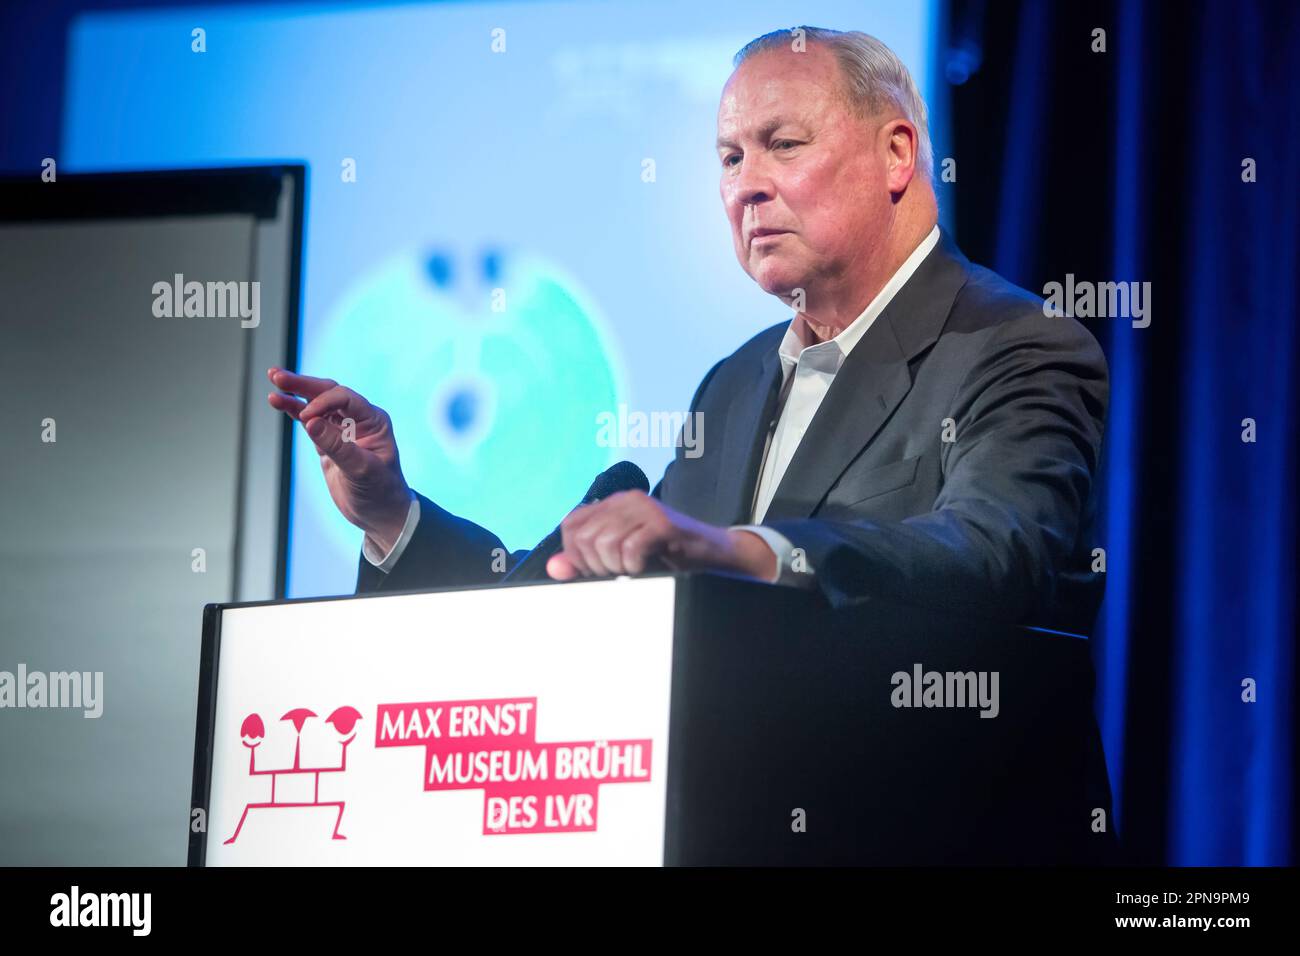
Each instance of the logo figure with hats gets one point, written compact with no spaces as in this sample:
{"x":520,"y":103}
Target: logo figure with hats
{"x":252,"y":731}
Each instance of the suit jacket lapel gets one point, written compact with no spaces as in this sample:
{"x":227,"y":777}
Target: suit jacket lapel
{"x":748,"y":418}
{"x":871,"y":383}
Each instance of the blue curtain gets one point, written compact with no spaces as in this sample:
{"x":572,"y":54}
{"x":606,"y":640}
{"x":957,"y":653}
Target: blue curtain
{"x":1132,"y":162}
{"x":1234,"y":621}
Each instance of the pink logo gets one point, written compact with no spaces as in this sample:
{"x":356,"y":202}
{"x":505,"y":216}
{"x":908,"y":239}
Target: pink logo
{"x":252,"y":732}
{"x":489,"y":745}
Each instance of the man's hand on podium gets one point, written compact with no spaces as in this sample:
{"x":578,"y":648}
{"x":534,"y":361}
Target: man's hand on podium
{"x":357,"y":451}
{"x":622,"y":533}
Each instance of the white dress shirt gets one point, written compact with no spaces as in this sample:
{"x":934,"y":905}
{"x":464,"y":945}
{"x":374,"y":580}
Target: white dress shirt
{"x":807,"y":372}
{"x":385,"y":562}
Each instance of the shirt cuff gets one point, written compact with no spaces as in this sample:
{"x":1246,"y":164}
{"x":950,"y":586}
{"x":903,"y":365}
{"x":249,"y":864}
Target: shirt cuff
{"x":786,"y":571}
{"x":385,"y":562}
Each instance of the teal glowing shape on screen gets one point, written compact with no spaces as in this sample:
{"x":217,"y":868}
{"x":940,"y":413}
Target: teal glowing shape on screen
{"x":494,"y":367}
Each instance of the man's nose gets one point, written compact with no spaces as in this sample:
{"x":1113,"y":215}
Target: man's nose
{"x":754,"y":185}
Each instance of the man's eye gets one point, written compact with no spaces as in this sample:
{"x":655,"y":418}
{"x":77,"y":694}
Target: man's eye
{"x":784,"y":144}
{"x":728,"y":159}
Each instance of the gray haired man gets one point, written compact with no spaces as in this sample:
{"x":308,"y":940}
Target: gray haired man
{"x":918,"y":430}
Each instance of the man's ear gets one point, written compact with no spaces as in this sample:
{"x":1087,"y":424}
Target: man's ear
{"x":899,"y":143}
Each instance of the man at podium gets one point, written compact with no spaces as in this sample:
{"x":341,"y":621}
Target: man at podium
{"x":920,"y":430}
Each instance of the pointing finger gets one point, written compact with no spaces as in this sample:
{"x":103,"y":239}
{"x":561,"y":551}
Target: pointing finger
{"x":286,"y":403}
{"x":305,"y":385}
{"x":337,"y":399}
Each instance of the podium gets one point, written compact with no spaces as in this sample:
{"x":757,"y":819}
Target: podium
{"x":690,"y":719}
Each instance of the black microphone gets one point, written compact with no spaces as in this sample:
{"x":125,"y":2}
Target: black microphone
{"x":621,"y":477}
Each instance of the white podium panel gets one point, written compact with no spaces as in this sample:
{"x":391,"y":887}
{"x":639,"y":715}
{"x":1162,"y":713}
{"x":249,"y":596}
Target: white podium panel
{"x":497,"y":726}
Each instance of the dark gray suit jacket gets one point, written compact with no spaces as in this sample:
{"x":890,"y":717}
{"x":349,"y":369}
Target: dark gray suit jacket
{"x":953,"y":462}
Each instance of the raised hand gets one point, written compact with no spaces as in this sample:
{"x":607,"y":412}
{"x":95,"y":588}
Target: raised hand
{"x":358,"y":452}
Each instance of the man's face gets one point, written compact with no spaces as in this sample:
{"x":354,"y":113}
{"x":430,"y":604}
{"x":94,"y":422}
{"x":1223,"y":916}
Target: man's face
{"x":803,"y":177}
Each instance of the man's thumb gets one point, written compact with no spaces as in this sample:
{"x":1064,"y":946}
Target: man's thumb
{"x":560,"y":568}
